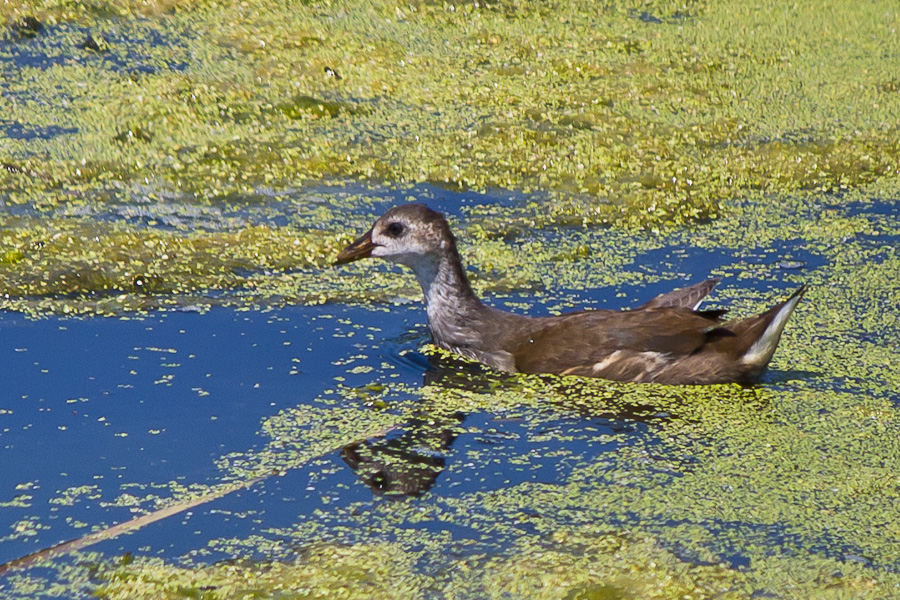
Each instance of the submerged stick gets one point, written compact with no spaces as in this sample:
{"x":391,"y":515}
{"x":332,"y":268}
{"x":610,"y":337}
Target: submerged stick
{"x":109,"y":533}
{"x":63,"y":548}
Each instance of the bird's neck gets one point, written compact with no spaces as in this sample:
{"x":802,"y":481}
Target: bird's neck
{"x":452,"y":307}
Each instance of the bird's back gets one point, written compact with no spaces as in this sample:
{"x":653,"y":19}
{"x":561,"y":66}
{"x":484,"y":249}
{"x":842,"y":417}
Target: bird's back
{"x":666,"y":344}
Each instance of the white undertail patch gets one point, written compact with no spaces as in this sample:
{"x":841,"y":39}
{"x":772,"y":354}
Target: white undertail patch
{"x":760,"y":353}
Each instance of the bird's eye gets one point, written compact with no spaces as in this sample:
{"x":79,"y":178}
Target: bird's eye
{"x":395,"y":229}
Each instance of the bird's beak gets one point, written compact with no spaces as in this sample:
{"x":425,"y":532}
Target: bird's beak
{"x":361,"y":248}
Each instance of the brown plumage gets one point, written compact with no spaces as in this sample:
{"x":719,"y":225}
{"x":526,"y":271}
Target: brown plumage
{"x":666,"y":340}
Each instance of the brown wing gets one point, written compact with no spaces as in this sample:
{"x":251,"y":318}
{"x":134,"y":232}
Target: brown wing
{"x":689,"y":297}
{"x":596,"y":341}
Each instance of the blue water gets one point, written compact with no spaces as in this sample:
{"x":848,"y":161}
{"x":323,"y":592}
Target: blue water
{"x":112,"y":403}
{"x":107,"y":402}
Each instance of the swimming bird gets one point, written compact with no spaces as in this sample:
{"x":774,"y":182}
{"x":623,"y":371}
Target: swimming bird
{"x":667,"y":340}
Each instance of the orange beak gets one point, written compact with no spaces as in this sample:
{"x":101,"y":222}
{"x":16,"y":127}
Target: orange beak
{"x":361,"y":248}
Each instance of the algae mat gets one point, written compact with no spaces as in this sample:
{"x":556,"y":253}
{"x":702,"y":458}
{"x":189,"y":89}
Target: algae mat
{"x":143,"y":144}
{"x":210,"y":158}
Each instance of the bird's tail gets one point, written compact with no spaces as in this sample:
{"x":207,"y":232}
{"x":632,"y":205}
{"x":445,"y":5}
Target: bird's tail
{"x":762,"y":333}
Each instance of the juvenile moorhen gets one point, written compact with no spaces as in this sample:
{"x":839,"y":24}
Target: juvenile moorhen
{"x":667,"y":340}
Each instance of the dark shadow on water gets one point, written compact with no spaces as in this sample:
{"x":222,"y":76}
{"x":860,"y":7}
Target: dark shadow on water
{"x":404,"y":465}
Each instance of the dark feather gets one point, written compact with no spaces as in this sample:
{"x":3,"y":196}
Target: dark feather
{"x":689,"y":297}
